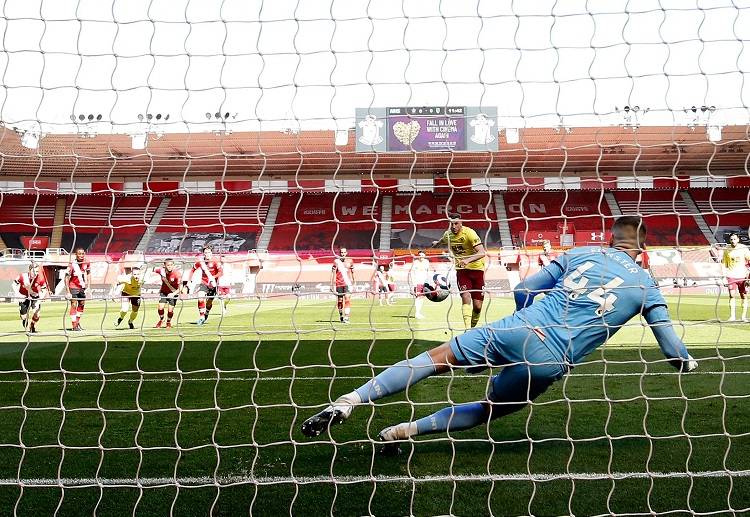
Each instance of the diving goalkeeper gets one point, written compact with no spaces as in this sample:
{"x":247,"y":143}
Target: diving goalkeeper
{"x":590,"y":293}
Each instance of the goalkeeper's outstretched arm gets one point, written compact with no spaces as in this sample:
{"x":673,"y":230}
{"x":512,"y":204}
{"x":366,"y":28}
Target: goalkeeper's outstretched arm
{"x":526,"y":290}
{"x":671,"y":345}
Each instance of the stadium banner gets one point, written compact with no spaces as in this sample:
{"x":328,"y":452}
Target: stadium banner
{"x":173,"y":243}
{"x":426,"y":128}
{"x":38,"y":242}
{"x":265,"y":274}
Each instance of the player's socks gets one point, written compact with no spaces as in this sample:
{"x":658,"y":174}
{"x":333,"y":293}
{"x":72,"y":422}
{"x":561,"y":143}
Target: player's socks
{"x":418,"y":303}
{"x":397,"y":378}
{"x":161,"y":313}
{"x":453,"y":418}
{"x":744,"y":310}
{"x":400,"y":431}
{"x":73,"y":316}
{"x":466,"y":311}
{"x":732,"y":309}
{"x":475,"y":317}
{"x":133,"y":316}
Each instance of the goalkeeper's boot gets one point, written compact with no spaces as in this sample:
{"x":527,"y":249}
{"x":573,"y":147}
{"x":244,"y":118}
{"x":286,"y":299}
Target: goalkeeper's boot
{"x":332,"y":415}
{"x":391,"y":436}
{"x":117,"y":324}
{"x":130,"y":325}
{"x":158,"y":324}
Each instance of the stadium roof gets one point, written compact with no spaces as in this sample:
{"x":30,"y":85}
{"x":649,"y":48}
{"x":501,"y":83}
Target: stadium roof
{"x":610,"y":151}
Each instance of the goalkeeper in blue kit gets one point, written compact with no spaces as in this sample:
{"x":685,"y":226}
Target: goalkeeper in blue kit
{"x":590,"y":293}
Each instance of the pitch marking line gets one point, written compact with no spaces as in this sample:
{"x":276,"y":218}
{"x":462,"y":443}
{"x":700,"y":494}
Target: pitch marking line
{"x":302,"y":480}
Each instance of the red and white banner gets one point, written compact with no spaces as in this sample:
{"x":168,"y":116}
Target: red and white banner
{"x":35,"y":242}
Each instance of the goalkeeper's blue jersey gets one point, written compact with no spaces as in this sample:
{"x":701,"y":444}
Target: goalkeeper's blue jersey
{"x":597,"y":291}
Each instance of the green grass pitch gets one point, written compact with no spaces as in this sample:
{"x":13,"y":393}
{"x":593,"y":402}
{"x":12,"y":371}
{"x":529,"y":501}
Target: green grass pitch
{"x":119,"y":414}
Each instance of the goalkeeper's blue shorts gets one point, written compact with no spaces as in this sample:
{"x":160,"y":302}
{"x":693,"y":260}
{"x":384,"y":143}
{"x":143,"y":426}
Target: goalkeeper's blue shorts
{"x":529,"y":366}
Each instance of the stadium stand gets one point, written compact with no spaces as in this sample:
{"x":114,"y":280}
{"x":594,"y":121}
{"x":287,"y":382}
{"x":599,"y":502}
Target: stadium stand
{"x":227,"y":222}
{"x":122,"y":230}
{"x":543,"y":215}
{"x":318,"y":222}
{"x":420,"y":218}
{"x":669,"y":220}
{"x":25,"y":215}
{"x":724,"y":210}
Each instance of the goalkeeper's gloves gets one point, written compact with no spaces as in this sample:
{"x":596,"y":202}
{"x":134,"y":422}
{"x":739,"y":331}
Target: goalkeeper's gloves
{"x":684,"y":365}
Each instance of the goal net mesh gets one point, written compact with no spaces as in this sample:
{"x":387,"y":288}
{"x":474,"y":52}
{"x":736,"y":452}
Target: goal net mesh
{"x":278,"y":133}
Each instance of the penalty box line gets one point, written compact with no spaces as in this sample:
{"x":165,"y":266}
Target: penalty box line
{"x":207,"y":481}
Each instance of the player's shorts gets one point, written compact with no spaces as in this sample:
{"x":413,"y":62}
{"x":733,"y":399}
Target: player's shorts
{"x":471,"y":280}
{"x":738,"y":283}
{"x":78,"y":294}
{"x":529,"y":365}
{"x":419,"y":290}
{"x":382,"y":289}
{"x":223,"y":291}
{"x":29,"y":304}
{"x":210,"y":291}
{"x":134,"y":301}
{"x":342,"y":290}
{"x":164,"y":299}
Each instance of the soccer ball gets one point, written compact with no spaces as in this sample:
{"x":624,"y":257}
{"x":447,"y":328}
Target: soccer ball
{"x":437,"y":289}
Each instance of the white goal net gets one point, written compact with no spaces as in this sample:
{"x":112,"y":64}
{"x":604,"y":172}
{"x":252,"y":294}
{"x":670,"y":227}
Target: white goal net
{"x":179,"y":181}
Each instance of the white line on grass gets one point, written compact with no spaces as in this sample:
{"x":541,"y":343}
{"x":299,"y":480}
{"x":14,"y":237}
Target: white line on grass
{"x":232,"y":480}
{"x":187,"y":378}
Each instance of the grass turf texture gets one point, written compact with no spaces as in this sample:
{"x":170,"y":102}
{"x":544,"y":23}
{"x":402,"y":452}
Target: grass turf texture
{"x":226,"y":400}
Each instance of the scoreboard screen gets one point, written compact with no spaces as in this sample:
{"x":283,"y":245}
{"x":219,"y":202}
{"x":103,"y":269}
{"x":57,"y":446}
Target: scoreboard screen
{"x":426,"y":129}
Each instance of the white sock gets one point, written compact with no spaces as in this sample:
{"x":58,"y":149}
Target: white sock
{"x":732,"y":308}
{"x":418,"y":303}
{"x":744,"y":309}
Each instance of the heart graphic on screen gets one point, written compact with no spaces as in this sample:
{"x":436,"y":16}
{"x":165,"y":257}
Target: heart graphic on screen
{"x":406,"y":133}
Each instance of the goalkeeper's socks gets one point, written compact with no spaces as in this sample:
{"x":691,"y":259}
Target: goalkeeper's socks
{"x":466,"y":312}
{"x":732,"y":309}
{"x":453,"y":418}
{"x":397,"y":378}
{"x":475,"y":317}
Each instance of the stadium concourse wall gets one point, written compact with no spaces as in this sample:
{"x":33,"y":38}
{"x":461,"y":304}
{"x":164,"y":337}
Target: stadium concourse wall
{"x":262,"y":274}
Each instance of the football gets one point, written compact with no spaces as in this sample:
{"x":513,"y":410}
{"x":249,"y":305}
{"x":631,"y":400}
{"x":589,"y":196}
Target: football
{"x":437,"y":289}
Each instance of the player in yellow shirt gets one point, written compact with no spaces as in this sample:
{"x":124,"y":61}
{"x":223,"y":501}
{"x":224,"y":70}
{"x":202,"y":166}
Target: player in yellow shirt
{"x":129,"y":284}
{"x":468,"y":255}
{"x":735,"y":265}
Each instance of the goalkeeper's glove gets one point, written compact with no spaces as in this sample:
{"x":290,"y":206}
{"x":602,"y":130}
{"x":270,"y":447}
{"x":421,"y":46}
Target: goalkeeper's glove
{"x":684,"y":365}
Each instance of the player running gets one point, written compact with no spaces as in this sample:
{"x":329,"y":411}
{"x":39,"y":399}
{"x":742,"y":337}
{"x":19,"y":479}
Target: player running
{"x":590,"y":294}
{"x":31,"y":289}
{"x":468,"y":254}
{"x":342,"y":283}
{"x":129,"y":286}
{"x":168,"y":293}
{"x":735,"y":265}
{"x":210,"y":271}
{"x":77,"y":279}
{"x":418,"y":275}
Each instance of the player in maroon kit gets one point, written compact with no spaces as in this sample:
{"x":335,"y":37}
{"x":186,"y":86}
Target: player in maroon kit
{"x":211,"y":271}
{"x":30,"y":289}
{"x":342,"y":283}
{"x":77,"y":279}
{"x":170,"y":290}
{"x":547,"y":255}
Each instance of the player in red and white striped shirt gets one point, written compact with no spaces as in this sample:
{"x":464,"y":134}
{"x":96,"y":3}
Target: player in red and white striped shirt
{"x":170,"y":290}
{"x":30,"y":289}
{"x":77,"y":279}
{"x":210,"y":272}
{"x":342,"y":283}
